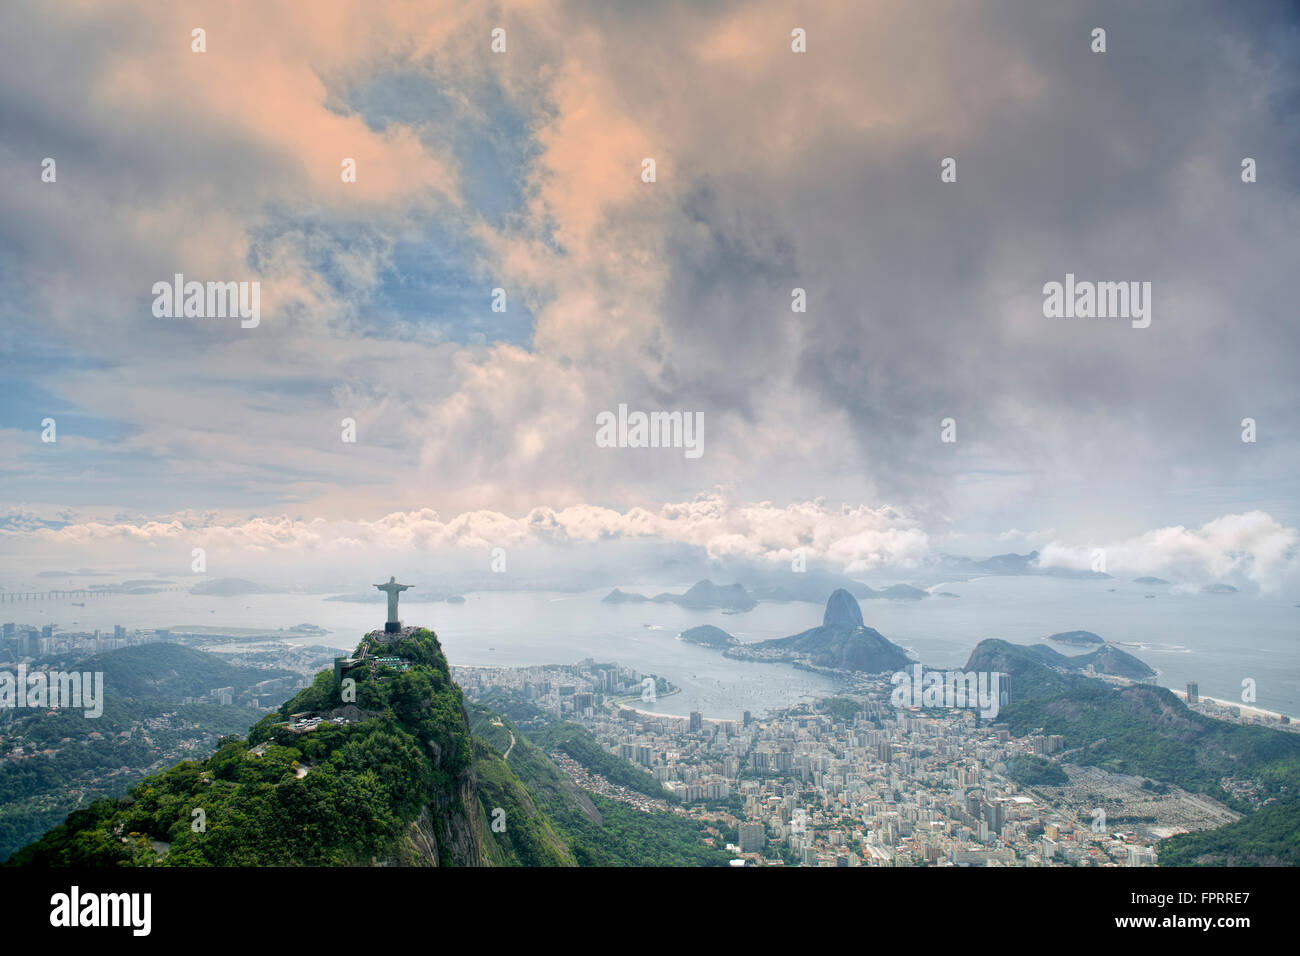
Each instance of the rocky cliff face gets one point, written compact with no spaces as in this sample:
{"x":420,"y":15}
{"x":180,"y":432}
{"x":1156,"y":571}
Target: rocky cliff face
{"x":449,"y":830}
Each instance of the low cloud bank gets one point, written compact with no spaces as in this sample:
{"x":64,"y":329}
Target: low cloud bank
{"x":1252,"y":550}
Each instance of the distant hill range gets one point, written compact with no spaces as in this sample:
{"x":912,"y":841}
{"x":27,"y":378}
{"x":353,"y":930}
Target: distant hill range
{"x":1009,"y":564}
{"x":162,"y":674}
{"x":811,"y":586}
{"x":1147,"y":579}
{"x":842,"y":641}
{"x":816,"y":585}
{"x":704,"y":595}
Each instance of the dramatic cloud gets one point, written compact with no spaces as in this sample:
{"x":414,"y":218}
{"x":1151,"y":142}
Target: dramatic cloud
{"x":521,"y":171}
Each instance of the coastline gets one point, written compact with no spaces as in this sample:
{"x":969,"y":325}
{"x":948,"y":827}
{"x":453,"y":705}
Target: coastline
{"x":1246,"y":710}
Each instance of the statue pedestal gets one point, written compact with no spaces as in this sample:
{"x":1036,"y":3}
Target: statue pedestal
{"x":392,"y":627}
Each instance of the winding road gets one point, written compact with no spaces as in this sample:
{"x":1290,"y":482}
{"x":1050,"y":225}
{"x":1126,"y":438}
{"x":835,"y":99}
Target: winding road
{"x":497,"y":723}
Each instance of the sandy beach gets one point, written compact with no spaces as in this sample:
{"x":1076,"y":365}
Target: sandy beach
{"x":1247,"y":710}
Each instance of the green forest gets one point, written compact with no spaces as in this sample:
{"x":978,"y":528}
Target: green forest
{"x":407,"y":783}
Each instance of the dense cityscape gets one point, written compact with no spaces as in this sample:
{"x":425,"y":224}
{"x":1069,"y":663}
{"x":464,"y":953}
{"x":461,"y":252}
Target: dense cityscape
{"x":850,"y":780}
{"x":854,"y":781}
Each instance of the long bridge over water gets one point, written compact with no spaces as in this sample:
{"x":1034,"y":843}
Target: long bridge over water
{"x":68,"y":593}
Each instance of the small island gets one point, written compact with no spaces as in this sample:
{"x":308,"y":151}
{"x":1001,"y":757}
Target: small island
{"x":623,"y":597}
{"x":1076,"y":638}
{"x":706,"y":635}
{"x":230,"y":587}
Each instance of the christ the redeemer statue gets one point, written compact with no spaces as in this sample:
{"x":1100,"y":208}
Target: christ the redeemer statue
{"x":393,"y":625}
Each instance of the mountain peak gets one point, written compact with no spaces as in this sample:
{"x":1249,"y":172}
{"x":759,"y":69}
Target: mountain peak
{"x":842,"y":608}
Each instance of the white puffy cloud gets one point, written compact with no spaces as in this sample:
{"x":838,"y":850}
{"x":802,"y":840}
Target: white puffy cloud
{"x":854,"y":537}
{"x":1251,"y":548}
